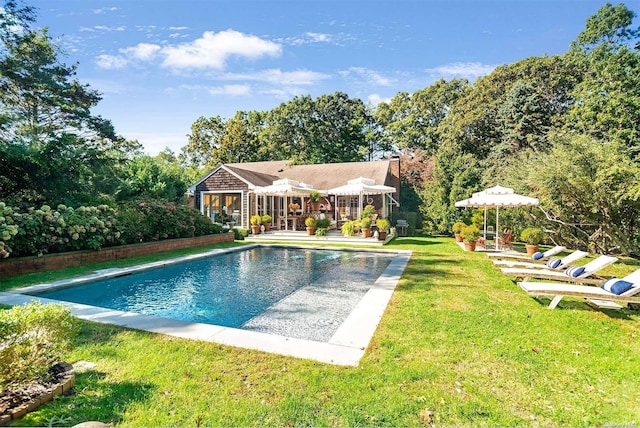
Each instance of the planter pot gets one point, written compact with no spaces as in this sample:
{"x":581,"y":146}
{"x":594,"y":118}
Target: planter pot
{"x":470,"y":246}
{"x":531,"y":248}
{"x":366,"y":233}
{"x":255,"y":229}
{"x":382,"y":235}
{"x":311,"y":231}
{"x":267,"y":227}
{"x":458,"y":237}
{"x":315,"y":206}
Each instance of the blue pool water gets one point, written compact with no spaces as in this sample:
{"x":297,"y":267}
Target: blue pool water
{"x":231,"y":289}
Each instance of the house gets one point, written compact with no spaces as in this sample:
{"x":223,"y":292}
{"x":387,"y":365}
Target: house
{"x":232,"y":193}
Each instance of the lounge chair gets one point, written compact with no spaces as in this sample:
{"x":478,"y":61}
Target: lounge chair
{"x":552,"y":263}
{"x":543,"y":256}
{"x":504,"y":241}
{"x":598,"y":296}
{"x":577,"y":274}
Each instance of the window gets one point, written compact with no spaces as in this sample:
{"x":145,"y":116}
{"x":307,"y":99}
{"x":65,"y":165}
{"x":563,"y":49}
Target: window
{"x":223,"y":207}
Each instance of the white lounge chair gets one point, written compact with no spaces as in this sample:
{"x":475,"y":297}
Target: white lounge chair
{"x":576,"y":274}
{"x":552,"y":263}
{"x":596,"y":295}
{"x":514,"y":256}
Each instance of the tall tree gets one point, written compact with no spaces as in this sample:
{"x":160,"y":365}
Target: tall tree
{"x":50,"y":143}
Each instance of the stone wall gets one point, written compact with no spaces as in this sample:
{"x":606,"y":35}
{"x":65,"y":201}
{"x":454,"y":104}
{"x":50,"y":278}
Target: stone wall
{"x":22,"y":265}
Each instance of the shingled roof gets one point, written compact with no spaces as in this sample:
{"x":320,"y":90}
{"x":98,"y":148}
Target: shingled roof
{"x":320,"y":176}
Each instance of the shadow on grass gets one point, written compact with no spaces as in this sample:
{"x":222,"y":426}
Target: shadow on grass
{"x":622,"y":314}
{"x":93,"y":399}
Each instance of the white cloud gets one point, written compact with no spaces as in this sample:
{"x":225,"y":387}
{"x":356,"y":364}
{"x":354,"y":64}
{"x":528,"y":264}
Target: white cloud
{"x":370,"y":75}
{"x":105,"y":28}
{"x":469,"y":70}
{"x":213,"y":49}
{"x":376,"y":99}
{"x":111,"y":62}
{"x":233,"y":90}
{"x":310,"y":37}
{"x":142,"y":51}
{"x":104,"y":10}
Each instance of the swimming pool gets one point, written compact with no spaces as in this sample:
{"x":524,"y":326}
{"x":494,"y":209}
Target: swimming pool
{"x":322,"y":304}
{"x":235,"y":289}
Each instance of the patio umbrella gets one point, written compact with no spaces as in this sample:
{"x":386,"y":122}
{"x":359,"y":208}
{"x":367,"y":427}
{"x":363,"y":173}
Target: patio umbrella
{"x":497,"y":197}
{"x":359,"y":187}
{"x":284,"y":187}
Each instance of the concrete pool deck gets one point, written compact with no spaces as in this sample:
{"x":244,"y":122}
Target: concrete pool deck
{"x":346,"y":346}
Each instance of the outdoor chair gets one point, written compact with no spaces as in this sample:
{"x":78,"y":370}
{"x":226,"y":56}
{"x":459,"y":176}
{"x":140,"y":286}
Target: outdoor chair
{"x":504,"y":241}
{"x":576,"y":274}
{"x":501,"y":255}
{"x":612,"y":291}
{"x":553,"y":263}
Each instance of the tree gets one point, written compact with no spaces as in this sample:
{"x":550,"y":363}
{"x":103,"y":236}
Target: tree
{"x":205,"y":138}
{"x":50,"y":142}
{"x":412,"y":121}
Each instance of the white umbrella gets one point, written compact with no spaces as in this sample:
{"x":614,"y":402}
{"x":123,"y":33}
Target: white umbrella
{"x":284,"y":187}
{"x":361,"y":186}
{"x":497,"y":197}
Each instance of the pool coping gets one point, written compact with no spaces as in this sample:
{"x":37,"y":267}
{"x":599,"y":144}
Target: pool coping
{"x":346,"y":347}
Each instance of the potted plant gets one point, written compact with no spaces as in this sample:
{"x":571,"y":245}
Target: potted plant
{"x":310,"y":222}
{"x":383,"y":225}
{"x":348,"y":228}
{"x":255,"y":221}
{"x":457,"y":228}
{"x":368,"y":211}
{"x":323,"y":223}
{"x":266,"y":220}
{"x":365,"y":226}
{"x":314,"y":199}
{"x":470,"y":234}
{"x":532,"y":237}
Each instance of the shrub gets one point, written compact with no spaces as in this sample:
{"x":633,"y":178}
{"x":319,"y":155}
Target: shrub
{"x":532,"y":235}
{"x":368,"y":212}
{"x":383,"y":224}
{"x":315,"y":196}
{"x":255,"y":220}
{"x":457,"y":227}
{"x":266,"y":218}
{"x":310,"y":222}
{"x":365,"y":223}
{"x":349,"y":228}
{"x":470,"y":233}
{"x":323,"y":223}
{"x":239,"y":234}
{"x":33,"y":338}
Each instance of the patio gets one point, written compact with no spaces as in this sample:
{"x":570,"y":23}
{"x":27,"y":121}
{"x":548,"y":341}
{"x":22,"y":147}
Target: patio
{"x":333,"y":237}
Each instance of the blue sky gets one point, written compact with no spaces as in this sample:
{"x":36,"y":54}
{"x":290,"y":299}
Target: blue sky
{"x":161,"y":64}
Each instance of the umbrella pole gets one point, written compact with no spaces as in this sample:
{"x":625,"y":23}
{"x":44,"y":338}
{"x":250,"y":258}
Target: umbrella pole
{"x":497,"y":226}
{"x":485,"y":223}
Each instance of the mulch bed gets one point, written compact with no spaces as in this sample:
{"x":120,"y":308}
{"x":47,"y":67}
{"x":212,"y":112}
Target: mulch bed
{"x":17,"y":402}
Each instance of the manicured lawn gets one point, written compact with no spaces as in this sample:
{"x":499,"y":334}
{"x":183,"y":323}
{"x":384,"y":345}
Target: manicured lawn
{"x":460,"y":344}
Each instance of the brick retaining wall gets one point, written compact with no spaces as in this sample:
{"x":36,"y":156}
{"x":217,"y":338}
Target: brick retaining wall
{"x":22,"y":265}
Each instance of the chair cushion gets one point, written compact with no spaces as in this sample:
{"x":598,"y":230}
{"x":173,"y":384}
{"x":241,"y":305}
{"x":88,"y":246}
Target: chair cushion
{"x":553,"y":263}
{"x":617,"y":286}
{"x":537,"y":255}
{"x":574,"y":271}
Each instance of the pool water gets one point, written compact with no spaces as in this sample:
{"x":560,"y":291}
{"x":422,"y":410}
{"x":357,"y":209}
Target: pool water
{"x":235,"y":289}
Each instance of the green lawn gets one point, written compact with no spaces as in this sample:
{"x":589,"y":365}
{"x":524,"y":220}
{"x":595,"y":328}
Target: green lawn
{"x":460,"y":344}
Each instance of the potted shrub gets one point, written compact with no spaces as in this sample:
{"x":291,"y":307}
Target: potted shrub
{"x":383,"y":226}
{"x":310,"y":222}
{"x":314,"y":199}
{"x":323,"y":223}
{"x":470,"y":235}
{"x":532,"y":237}
{"x":348,"y":228}
{"x":255,"y":221}
{"x":457,"y":228}
{"x":266,"y":220}
{"x":368,"y":211}
{"x":365,"y":225}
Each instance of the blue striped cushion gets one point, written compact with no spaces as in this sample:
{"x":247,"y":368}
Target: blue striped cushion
{"x":553,"y":263}
{"x":537,"y":255}
{"x":617,"y":286}
{"x":574,"y":271}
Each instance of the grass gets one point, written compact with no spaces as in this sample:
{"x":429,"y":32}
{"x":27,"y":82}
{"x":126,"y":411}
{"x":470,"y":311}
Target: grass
{"x":459,"y":344}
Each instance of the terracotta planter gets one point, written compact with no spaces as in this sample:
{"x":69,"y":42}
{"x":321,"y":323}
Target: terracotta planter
{"x":255,"y":229}
{"x":458,"y":237}
{"x":531,"y":248}
{"x":267,"y":227}
{"x":315,"y":206}
{"x":382,"y":235}
{"x":470,"y":246}
{"x":366,"y":233}
{"x":311,"y":231}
